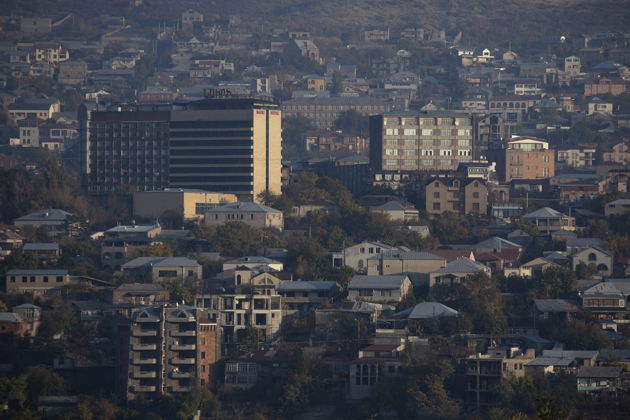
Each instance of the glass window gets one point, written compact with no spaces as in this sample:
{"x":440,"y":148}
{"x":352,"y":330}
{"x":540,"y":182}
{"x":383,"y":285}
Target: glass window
{"x":427,"y":132}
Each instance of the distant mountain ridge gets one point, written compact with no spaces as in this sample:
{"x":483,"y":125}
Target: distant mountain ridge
{"x":479,"y":20}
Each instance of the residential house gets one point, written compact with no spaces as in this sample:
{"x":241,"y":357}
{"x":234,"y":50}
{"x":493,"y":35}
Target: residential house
{"x":576,"y":157}
{"x":617,"y":207}
{"x":253,"y":263}
{"x":140,"y":294}
{"x":269,"y":365}
{"x":484,"y":373}
{"x":417,"y":265}
{"x":31,"y":316}
{"x":306,"y":295}
{"x":189,"y":18}
{"x":121,"y":242}
{"x":11,"y":326}
{"x":597,"y":106}
{"x":456,"y":272}
{"x":305,"y":48}
{"x":614,"y":153}
{"x":36,"y":281}
{"x":463,"y":196}
{"x":376,"y":34}
{"x":236,"y":312}
{"x":548,"y":220}
{"x":51,"y":52}
{"x":608,"y":298}
{"x":534,"y":267}
{"x":312,"y":207}
{"x":356,"y":256}
{"x":555,"y":308}
{"x":580,"y":244}
{"x":162,"y":269}
{"x":604,"y":85}
{"x":9,"y":241}
{"x":42,"y":111}
{"x":595,"y":379}
{"x":255,"y":215}
{"x":373,"y":363}
{"x":56,"y":222}
{"x":600,"y":258}
{"x":380,"y":288}
{"x":72,"y":72}
{"x":397,"y":211}
{"x":45,"y":252}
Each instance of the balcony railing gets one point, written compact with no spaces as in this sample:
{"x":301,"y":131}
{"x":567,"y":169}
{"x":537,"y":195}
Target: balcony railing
{"x":139,"y":332}
{"x":141,"y":346}
{"x":183,"y":361}
{"x":144,"y":361}
{"x":144,"y":375}
{"x":178,"y":347}
{"x":190,"y":333}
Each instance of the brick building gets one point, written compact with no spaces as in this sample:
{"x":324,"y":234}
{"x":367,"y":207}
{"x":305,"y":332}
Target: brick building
{"x":524,"y":158}
{"x":456,"y":195}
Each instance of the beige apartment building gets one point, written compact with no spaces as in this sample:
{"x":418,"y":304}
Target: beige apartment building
{"x":189,"y":203}
{"x":323,"y":112}
{"x":463,"y":196}
{"x":255,"y":215}
{"x":576,"y":157}
{"x":420,"y":140}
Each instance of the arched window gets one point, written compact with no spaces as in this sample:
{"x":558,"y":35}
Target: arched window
{"x":602,"y":267}
{"x":592,"y":257}
{"x":238,"y":279}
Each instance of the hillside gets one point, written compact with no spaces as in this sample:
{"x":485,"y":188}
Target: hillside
{"x":494,"y":21}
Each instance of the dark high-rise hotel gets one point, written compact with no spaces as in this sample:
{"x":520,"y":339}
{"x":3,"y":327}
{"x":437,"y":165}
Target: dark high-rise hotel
{"x":222,"y":145}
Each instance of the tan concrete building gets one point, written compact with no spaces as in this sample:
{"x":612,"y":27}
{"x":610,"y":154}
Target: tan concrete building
{"x":463,"y":196}
{"x":524,"y":158}
{"x":36,"y":282}
{"x":255,"y":215}
{"x":617,"y":207}
{"x":380,"y":288}
{"x":232,"y":146}
{"x":614,"y":153}
{"x":484,"y":373}
{"x":190,"y":204}
{"x":576,"y":157}
{"x":417,"y":265}
{"x":42,"y":111}
{"x":420,"y":140}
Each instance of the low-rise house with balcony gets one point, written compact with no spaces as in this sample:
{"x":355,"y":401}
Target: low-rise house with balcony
{"x":374,"y":362}
{"x":253,"y":262}
{"x":306,"y":295}
{"x":607,"y":299}
{"x":31,"y":315}
{"x":55,"y":221}
{"x":484,"y":373}
{"x":596,"y":379}
{"x":270,"y":365}
{"x":548,"y":220}
{"x":380,"y":288}
{"x":10,"y":241}
{"x":121,"y":242}
{"x":164,"y":268}
{"x":45,"y":252}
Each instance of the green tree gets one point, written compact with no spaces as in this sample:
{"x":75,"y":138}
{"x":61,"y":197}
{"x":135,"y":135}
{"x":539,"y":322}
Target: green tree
{"x":180,"y":291}
{"x":235,"y":239}
{"x":556,"y":282}
{"x":353,"y":123}
{"x":171,"y":219}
